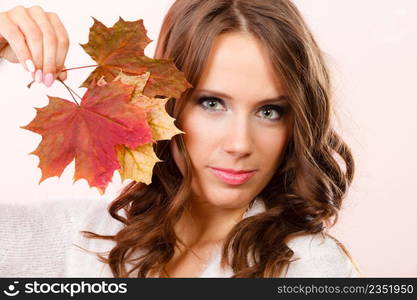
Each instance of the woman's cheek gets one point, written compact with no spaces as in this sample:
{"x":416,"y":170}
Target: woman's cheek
{"x":201,"y":129}
{"x":270,"y":145}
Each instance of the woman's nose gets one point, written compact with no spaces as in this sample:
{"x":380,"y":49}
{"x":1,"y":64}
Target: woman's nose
{"x":238,"y":137}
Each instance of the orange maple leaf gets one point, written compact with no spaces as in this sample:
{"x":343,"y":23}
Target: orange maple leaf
{"x":121,"y":48}
{"x":89,"y":132}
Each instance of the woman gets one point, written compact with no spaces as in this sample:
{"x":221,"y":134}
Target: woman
{"x":252,"y":186}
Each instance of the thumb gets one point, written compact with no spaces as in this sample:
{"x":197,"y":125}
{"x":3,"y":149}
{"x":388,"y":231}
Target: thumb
{"x":63,"y":75}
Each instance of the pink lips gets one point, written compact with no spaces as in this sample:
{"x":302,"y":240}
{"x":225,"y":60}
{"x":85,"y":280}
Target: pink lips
{"x":231,"y":176}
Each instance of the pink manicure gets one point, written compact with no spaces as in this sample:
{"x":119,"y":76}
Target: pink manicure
{"x":38,"y":76}
{"x":48,"y":79}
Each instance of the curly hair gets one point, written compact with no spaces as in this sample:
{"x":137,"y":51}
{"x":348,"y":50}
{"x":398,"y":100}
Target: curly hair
{"x":305,"y":194}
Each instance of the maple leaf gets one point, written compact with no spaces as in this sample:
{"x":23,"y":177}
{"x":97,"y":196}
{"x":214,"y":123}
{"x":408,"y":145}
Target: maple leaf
{"x":138,"y":164}
{"x":119,"y":117}
{"x":161,"y":123}
{"x":121,"y":48}
{"x":89,"y":132}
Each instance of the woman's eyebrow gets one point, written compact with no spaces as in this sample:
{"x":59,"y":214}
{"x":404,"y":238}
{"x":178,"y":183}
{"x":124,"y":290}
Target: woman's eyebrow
{"x":280,"y":98}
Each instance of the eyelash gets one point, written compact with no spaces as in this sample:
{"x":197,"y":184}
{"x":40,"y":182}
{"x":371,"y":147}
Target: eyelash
{"x":281,"y":110}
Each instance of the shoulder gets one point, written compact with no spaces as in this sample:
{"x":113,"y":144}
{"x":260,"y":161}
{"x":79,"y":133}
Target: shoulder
{"x":34,"y":236}
{"x":319,"y":255}
{"x":81,"y":257}
{"x":54,"y":212}
{"x":93,"y":215}
{"x":58,"y":217}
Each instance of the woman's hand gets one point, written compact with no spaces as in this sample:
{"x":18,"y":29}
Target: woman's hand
{"x":36,"y":39}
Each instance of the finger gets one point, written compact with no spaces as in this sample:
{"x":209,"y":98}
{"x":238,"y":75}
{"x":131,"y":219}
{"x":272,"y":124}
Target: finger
{"x":32,"y":33}
{"x":49,"y":44}
{"x":17,"y":43}
{"x":8,"y":54}
{"x":63,"y":75}
{"x":5,"y":50}
{"x":62,"y":41}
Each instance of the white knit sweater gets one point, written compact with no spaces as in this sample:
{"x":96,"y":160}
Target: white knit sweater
{"x":38,"y":241}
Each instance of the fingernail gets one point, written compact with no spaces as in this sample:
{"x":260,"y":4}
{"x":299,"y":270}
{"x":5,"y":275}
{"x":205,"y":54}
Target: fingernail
{"x":38,"y":76}
{"x":30,"y":66}
{"x":48,"y":79}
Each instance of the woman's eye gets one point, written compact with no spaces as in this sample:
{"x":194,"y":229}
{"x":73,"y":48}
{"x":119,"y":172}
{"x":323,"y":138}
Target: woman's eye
{"x":211,"y":103}
{"x":269,"y":112}
{"x":272,"y":112}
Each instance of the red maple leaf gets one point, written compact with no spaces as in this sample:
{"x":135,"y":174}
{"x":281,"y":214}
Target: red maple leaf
{"x":121,"y":48}
{"x":89,"y":132}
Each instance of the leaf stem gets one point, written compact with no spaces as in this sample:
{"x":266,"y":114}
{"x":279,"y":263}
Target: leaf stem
{"x":76,"y":68}
{"x":30,"y":84}
{"x":70,"y":91}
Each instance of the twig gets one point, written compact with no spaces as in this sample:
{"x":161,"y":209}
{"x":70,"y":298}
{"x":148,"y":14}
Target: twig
{"x":70,"y":91}
{"x":30,"y":84}
{"x":76,"y":68}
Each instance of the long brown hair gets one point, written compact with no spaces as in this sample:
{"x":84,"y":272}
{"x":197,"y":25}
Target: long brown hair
{"x":305,"y":194}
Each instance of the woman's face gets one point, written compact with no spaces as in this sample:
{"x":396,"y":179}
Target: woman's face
{"x":236,"y":119}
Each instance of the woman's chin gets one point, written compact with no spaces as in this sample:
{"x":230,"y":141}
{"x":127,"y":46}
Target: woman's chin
{"x":227,"y":200}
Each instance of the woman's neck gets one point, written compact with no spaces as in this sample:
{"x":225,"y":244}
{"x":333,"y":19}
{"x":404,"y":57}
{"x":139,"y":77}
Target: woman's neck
{"x":203,"y":223}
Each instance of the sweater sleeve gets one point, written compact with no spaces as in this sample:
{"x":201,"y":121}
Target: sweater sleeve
{"x":319,"y":256}
{"x":34,"y":237}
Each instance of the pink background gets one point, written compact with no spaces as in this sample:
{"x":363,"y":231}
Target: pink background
{"x":371,"y":48}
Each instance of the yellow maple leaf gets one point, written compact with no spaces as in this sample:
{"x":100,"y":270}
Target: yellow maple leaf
{"x":161,"y":123}
{"x":137,"y":164}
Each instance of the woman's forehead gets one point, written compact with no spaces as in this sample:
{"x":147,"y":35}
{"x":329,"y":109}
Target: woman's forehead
{"x":239,"y":62}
